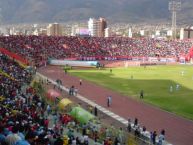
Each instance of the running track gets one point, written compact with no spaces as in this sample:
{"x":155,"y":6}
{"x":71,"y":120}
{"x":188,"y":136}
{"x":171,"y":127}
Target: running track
{"x":179,"y":131}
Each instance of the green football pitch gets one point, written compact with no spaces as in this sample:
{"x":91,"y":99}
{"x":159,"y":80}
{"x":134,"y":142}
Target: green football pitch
{"x":155,"y":81}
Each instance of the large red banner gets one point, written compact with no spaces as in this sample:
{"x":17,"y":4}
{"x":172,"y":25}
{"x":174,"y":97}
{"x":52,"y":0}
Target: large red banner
{"x":14,"y":56}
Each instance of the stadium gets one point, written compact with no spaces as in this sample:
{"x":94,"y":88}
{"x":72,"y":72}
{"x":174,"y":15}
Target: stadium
{"x":95,"y":90}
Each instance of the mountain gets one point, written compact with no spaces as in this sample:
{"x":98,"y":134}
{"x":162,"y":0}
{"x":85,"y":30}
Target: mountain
{"x":36,"y":11}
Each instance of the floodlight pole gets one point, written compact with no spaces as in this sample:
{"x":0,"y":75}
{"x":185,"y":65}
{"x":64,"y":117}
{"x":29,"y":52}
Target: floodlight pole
{"x":174,"y":24}
{"x":174,"y":6}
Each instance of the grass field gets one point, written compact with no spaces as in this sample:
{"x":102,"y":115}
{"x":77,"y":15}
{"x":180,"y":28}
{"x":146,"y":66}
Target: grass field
{"x":154,"y":80}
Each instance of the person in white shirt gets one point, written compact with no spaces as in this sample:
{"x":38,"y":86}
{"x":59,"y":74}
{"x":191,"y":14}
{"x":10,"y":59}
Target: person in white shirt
{"x":171,"y":89}
{"x":177,"y":87}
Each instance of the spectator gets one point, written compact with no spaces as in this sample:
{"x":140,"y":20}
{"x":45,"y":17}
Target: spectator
{"x":80,"y":82}
{"x":129,"y":125}
{"x":95,"y":111}
{"x":109,"y":101}
{"x":154,"y":135}
{"x":136,"y":122}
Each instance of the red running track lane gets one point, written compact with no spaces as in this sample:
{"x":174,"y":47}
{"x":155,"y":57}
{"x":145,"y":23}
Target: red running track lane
{"x":179,"y":131}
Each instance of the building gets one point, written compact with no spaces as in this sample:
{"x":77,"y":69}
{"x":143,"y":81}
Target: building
{"x":42,"y":32}
{"x":107,"y":32}
{"x":35,"y":32}
{"x":130,"y":34}
{"x":73,"y":30}
{"x":102,"y":26}
{"x":97,"y":27}
{"x":142,"y":32}
{"x":54,"y":30}
{"x":157,"y":33}
{"x":80,"y":30}
{"x":186,"y":33}
{"x":169,"y":33}
{"x":93,"y":27}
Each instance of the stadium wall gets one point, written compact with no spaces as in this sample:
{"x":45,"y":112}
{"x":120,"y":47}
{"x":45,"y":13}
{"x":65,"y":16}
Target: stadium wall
{"x":73,"y":63}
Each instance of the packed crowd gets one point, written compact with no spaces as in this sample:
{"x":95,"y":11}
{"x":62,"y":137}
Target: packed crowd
{"x":23,"y":114}
{"x":25,"y":118}
{"x":40,"y":48}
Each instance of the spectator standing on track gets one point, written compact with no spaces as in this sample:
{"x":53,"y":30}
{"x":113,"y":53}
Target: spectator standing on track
{"x":71,"y":92}
{"x":110,"y":97}
{"x":109,"y":101}
{"x":80,"y":82}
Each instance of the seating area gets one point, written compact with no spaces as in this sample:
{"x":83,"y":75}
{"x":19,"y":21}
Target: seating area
{"x":23,"y":117}
{"x":40,"y":48}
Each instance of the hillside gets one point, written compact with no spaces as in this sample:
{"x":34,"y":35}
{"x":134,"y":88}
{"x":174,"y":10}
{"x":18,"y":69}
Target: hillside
{"x":27,"y":11}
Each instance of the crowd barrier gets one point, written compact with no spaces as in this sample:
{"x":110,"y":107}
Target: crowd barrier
{"x":141,"y":59}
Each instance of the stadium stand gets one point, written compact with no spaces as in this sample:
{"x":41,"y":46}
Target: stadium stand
{"x":24,"y":116}
{"x":39,"y":49}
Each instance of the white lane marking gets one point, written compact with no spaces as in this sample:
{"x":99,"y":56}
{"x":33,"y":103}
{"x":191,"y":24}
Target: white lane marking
{"x":115,"y":116}
{"x":102,"y":109}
